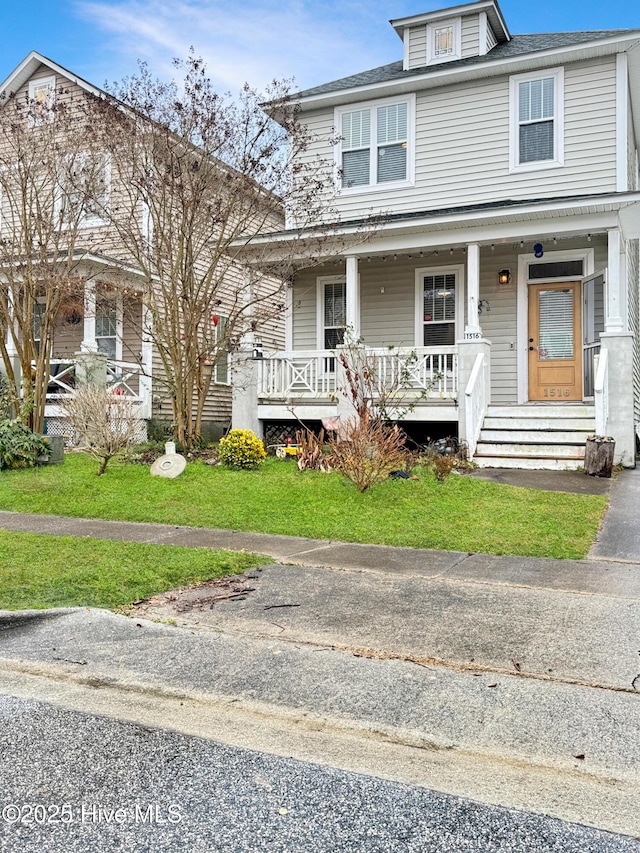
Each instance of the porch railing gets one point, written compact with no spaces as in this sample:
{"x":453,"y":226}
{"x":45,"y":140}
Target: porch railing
{"x":306,"y":373}
{"x":426,"y":372}
{"x":601,"y":392}
{"x":589,"y":357}
{"x":475,"y":403}
{"x":122,"y":376}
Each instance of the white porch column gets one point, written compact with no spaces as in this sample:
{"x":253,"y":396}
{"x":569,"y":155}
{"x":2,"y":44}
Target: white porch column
{"x":353,"y":297}
{"x":146,"y":358}
{"x":288,"y":318}
{"x":89,"y":343}
{"x":472,"y":329}
{"x":616,"y":283}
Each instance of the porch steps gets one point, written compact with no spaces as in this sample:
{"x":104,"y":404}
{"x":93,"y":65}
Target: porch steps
{"x":535,"y":436}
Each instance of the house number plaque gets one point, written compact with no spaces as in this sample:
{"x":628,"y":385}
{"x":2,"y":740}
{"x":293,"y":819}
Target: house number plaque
{"x":556,"y":392}
{"x":472,"y":336}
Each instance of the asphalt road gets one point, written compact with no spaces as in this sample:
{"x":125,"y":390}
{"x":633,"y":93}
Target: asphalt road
{"x":102,"y":784}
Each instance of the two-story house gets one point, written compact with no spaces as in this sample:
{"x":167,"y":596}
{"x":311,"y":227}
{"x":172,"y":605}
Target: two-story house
{"x":106,"y":330}
{"x":507,"y":265}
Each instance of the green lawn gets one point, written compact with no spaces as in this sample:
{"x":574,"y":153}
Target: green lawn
{"x":463,"y":513}
{"x":39,"y":571}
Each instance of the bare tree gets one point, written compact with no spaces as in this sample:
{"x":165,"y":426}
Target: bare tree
{"x":47,"y":188}
{"x":199,"y":177}
{"x":104,"y":423}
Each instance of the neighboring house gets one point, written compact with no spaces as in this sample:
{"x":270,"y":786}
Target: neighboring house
{"x":110,"y":317}
{"x":508,"y":167}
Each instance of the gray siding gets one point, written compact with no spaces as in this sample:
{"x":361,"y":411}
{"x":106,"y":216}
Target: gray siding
{"x":387,"y":300}
{"x":470,"y":36}
{"x":462,"y":145}
{"x":417,"y":47}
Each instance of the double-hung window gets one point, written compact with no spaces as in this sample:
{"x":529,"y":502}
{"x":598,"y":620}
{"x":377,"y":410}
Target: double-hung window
{"x":42,"y":95}
{"x":85,"y":189}
{"x":537,"y":118}
{"x":376,"y":144}
{"x":334,"y":311}
{"x":221,"y":376}
{"x":108,"y":327}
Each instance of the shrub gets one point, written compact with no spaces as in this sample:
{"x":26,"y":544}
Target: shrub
{"x":241,"y":449}
{"x":19,"y":447}
{"x":366,"y":450}
{"x":310,"y":455}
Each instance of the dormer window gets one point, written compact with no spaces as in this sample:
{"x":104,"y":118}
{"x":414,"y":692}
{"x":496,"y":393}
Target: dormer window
{"x":443,"y":41}
{"x":41,"y":99}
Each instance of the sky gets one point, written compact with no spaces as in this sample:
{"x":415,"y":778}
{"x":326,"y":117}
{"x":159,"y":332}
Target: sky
{"x":251,"y":41}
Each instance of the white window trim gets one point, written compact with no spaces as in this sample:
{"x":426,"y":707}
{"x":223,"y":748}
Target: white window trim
{"x":223,"y":358}
{"x":321,"y":281}
{"x":410,"y":101}
{"x":47,"y":114}
{"x":457,"y":40}
{"x":119,"y":303}
{"x":92,"y":220}
{"x":459,"y":271}
{"x":587,"y":256}
{"x":558,"y":121}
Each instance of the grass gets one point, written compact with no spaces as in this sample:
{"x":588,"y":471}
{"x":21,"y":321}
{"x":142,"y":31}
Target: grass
{"x":462,"y":514}
{"x":38,"y":571}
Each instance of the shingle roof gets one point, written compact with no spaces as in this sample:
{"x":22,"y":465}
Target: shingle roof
{"x":518,"y":46}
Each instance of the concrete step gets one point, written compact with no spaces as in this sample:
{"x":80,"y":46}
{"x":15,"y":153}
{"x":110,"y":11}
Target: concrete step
{"x":542,"y":410}
{"x":528,"y":450}
{"x":528,"y":463}
{"x":533,"y":436}
{"x":586,"y":425}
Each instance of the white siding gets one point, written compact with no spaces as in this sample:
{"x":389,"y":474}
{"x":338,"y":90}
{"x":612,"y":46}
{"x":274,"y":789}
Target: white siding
{"x":470,"y":36}
{"x":462,"y":146}
{"x":417,"y":47}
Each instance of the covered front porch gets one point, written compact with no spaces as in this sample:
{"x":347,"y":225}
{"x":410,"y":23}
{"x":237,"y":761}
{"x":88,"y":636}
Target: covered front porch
{"x":535,"y":310}
{"x":98,"y":337}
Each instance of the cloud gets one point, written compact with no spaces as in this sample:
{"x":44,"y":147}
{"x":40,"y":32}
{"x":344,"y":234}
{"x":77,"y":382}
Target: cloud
{"x":253,"y":42}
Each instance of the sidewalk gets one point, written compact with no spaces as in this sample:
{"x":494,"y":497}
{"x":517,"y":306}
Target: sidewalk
{"x":508,"y":680}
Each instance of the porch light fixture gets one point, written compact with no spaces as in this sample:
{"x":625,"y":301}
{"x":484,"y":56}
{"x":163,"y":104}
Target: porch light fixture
{"x":504,"y":277}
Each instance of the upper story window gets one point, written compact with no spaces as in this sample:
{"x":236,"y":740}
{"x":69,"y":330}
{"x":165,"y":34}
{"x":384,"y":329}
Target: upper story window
{"x":86,"y":189}
{"x":376,"y":147}
{"x":42,"y":95}
{"x":537,"y":119}
{"x":444,"y":41}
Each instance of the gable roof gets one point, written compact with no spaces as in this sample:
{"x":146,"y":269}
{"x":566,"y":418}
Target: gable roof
{"x":493,"y":11}
{"x":30,"y":64}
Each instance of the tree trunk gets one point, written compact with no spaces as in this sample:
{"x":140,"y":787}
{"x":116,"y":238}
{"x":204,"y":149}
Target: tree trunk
{"x":598,"y":457}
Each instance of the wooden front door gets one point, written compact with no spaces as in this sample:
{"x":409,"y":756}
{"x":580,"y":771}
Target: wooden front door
{"x":555,"y":342}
